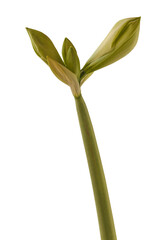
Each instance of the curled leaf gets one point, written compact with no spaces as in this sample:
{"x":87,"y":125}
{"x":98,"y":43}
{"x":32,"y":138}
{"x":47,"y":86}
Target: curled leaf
{"x":65,"y":47}
{"x":72,"y":61}
{"x":70,"y":57}
{"x":43,"y":46}
{"x":118,"y":43}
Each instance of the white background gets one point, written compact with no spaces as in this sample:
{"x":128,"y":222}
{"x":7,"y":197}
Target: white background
{"x":45,"y":187}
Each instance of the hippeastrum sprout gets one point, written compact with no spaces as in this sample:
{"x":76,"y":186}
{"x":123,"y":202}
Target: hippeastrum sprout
{"x":118,"y":43}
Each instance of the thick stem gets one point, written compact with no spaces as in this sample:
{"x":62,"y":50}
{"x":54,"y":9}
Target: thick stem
{"x":104,"y":212}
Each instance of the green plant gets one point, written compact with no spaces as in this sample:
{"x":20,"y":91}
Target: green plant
{"x":119,"y":42}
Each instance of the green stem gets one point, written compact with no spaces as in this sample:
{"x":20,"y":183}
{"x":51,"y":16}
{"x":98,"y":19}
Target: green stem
{"x":104,"y":212}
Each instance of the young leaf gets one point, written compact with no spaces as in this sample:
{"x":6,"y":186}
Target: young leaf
{"x":70,"y":57}
{"x":66,"y":45}
{"x":65,"y":75}
{"x":43,"y":46}
{"x":72,"y":61}
{"x":118,"y":43}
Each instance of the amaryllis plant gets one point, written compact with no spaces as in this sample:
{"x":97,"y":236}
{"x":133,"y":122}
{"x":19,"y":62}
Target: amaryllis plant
{"x":119,"y":42}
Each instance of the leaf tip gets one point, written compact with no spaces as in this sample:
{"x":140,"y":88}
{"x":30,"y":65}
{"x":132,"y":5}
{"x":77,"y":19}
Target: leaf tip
{"x":27,"y":29}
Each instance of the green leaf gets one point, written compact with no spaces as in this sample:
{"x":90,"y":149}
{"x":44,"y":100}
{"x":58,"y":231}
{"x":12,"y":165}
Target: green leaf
{"x":70,"y":57}
{"x":65,"y":75}
{"x":43,"y":46}
{"x":72,"y":61}
{"x":118,"y":43}
{"x":66,"y":45}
